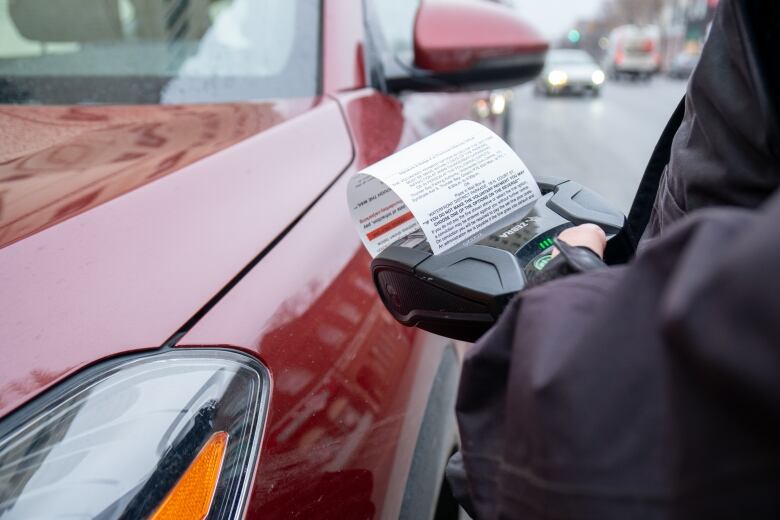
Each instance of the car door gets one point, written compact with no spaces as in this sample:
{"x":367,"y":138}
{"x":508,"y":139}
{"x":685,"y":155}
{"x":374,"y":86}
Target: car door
{"x":360,"y":421}
{"x":350,"y":385}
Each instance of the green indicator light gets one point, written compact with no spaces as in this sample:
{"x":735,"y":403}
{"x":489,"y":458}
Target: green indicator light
{"x":542,"y":261}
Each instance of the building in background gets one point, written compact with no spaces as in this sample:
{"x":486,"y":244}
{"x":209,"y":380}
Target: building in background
{"x":682,"y":25}
{"x":685,"y":25}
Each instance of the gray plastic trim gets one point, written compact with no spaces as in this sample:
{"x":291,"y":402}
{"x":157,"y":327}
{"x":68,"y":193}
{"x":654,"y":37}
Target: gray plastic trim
{"x":503,"y":273}
{"x":564,"y":203}
{"x":434,"y":442}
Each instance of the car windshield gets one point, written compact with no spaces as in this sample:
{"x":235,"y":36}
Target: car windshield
{"x":569,"y":58}
{"x":157,"y":51}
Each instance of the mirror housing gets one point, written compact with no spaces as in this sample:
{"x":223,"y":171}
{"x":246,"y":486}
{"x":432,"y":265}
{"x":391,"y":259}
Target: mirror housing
{"x":468,"y":45}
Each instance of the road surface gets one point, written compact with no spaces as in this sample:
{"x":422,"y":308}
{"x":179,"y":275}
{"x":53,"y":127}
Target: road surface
{"x":603,"y":143}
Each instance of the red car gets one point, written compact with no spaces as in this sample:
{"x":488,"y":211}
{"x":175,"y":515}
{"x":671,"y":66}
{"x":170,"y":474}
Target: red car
{"x":189,"y":327}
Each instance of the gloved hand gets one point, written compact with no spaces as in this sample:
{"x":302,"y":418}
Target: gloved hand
{"x":577,"y":250}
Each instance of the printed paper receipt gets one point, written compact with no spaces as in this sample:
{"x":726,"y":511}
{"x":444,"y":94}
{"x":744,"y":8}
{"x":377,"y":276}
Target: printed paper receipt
{"x":456,"y":185}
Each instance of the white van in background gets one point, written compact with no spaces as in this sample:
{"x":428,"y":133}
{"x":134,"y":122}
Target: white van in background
{"x":633,"y":52}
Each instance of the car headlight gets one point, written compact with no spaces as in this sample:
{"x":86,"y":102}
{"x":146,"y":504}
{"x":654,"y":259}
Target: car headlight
{"x":167,"y":435}
{"x":598,"y":77}
{"x":557,"y":78}
{"x":498,"y":102}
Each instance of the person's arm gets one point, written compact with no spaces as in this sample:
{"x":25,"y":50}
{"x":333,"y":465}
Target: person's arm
{"x":650,"y":390}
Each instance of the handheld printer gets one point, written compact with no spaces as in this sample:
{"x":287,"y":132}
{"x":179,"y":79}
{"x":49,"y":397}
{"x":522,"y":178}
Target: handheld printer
{"x":461,"y":293}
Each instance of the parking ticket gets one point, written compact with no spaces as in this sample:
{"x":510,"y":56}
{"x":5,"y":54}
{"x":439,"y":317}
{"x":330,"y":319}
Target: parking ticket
{"x":457,"y":186}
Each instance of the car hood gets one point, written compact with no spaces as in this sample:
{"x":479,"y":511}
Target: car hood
{"x":56,"y":162}
{"x":118,"y":224}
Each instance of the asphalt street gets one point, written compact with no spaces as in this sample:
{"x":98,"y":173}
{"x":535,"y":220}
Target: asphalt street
{"x":603,"y":143}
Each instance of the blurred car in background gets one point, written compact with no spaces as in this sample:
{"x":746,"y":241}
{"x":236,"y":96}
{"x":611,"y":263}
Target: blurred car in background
{"x":570,"y":71}
{"x":190,"y":328}
{"x":682,"y":65}
{"x":633,"y":52}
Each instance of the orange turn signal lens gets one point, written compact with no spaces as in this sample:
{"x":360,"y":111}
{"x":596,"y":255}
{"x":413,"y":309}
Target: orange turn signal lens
{"x":191,"y":497}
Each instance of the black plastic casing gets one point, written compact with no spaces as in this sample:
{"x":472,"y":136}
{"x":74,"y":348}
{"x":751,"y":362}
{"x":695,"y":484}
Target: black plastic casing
{"x":461,"y":293}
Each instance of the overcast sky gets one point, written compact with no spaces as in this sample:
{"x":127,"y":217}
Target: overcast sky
{"x":554,"y":17}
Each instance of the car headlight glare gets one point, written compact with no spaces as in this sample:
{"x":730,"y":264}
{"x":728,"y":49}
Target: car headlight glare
{"x":167,"y":435}
{"x":598,"y":77}
{"x":557,"y":78}
{"x":498,"y":102}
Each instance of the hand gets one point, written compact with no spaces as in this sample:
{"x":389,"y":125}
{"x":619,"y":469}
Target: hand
{"x":588,"y":235}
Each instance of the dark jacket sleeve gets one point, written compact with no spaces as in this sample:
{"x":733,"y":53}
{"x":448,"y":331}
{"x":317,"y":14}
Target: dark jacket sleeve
{"x":727,"y":148}
{"x":652,"y":390}
{"x":645,"y":391}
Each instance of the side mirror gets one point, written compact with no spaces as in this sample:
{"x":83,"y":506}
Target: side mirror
{"x":468,"y":45}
